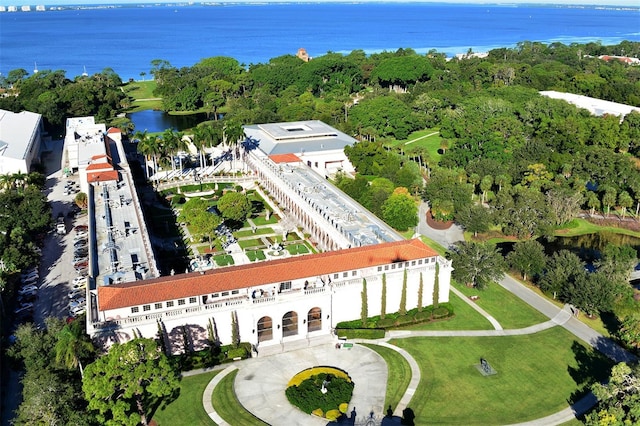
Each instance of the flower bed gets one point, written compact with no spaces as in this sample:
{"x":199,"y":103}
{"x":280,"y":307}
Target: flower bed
{"x":321,"y":391}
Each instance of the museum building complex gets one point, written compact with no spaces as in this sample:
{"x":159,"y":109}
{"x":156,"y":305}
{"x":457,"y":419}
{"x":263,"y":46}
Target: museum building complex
{"x":283,"y":303}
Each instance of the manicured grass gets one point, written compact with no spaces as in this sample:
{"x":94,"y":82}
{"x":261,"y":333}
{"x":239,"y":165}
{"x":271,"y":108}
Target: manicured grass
{"x":536,"y":375}
{"x":223,"y":260}
{"x":295,"y":249}
{"x":582,"y":226}
{"x":187,"y":409}
{"x":399,"y":374}
{"x":465,"y":318}
{"x":435,"y":246}
{"x":254,"y":255}
{"x":141,"y":89}
{"x":227,"y":405}
{"x":509,"y":310}
{"x":254,"y":242}
{"x":248,"y":232}
{"x":261,"y":220}
{"x":427,"y":138}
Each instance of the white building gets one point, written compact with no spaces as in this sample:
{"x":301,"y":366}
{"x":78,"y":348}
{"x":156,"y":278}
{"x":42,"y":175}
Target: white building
{"x":595,"y":106}
{"x":20,"y":140}
{"x":317,"y":144}
{"x":277,"y":304}
{"x":284,"y":303}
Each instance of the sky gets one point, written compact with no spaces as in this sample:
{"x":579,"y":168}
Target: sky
{"x":634,"y":3}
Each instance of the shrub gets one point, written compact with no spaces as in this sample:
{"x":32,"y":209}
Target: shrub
{"x":332,"y":415}
{"x":343,"y":407}
{"x":318,"y":412}
{"x":440,"y":312}
{"x":308,"y":397}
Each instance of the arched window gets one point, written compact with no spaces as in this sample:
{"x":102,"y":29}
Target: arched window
{"x":289,"y":324}
{"x":265,"y":329}
{"x":314,"y":320}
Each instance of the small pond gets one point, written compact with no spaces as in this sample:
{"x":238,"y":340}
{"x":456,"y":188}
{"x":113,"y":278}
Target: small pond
{"x":588,"y":247}
{"x":158,"y":121}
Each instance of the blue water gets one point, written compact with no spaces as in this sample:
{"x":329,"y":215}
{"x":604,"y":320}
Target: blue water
{"x":127,"y":39}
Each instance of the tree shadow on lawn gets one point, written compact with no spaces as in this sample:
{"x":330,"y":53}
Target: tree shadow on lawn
{"x":592,"y":366}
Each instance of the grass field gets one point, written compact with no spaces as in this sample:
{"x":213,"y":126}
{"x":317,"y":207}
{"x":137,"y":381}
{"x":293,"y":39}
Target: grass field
{"x":509,"y":310}
{"x":429,"y":139}
{"x":227,"y":405}
{"x":187,"y":409}
{"x":581,"y":227}
{"x":536,"y":375}
{"x":465,"y":318}
{"x":399,"y":374}
{"x":143,"y":90}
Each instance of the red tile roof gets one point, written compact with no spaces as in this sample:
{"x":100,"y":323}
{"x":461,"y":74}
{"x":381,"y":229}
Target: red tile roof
{"x":103,"y":176}
{"x":100,"y":166}
{"x":237,"y":277}
{"x":285,"y":158}
{"x":114,"y":130}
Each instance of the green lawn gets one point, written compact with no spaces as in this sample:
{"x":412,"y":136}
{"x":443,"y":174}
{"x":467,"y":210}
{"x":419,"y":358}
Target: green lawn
{"x":295,"y":249}
{"x":581,"y":227}
{"x":427,"y":138}
{"x":187,"y":409}
{"x":509,"y":310}
{"x":223,"y":260}
{"x":536,"y":376}
{"x":248,"y":232}
{"x":254,"y":242}
{"x":465,"y":318}
{"x":227,"y":405}
{"x":254,"y":255}
{"x":399,"y":374}
{"x":261,"y":220}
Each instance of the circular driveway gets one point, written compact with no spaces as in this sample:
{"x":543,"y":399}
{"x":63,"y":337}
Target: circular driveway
{"x":260,"y":384}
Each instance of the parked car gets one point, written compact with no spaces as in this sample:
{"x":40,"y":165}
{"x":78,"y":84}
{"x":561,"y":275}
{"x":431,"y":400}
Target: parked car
{"x":27,"y":289}
{"x":81,"y":253}
{"x":81,"y":265}
{"x":77,"y":302}
{"x":78,"y":292}
{"x":25,"y":307}
{"x":77,"y":310}
{"x":27,"y":297}
{"x":30,"y":275}
{"x":81,"y":228}
{"x":79,"y":282}
{"x":81,"y":243}
{"x":30,"y":281}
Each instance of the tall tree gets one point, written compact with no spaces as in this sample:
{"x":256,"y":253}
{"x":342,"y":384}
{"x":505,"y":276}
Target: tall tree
{"x":235,"y":329}
{"x":364,"y":308}
{"x":400,"y":210}
{"x":234,"y":206}
{"x":73,"y":346}
{"x":436,"y":288}
{"x":618,"y":399}
{"x":528,"y":258}
{"x":476,"y":264}
{"x":421,"y":291}
{"x":123,"y":385}
{"x":383,"y":304}
{"x":403,"y":296}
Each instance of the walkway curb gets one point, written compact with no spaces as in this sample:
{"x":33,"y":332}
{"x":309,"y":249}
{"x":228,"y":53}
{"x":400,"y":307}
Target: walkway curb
{"x":208,"y":394}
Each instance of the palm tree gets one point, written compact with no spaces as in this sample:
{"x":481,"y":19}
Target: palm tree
{"x":233,"y":132}
{"x":149,"y":147}
{"x":200,"y":141}
{"x":72,"y":345}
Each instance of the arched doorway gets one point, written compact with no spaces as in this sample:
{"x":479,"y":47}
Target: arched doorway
{"x":290,"y":324}
{"x":265,"y":329}
{"x":314,"y":320}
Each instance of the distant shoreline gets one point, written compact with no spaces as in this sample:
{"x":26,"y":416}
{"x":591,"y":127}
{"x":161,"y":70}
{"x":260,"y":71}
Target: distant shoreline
{"x":613,"y":4}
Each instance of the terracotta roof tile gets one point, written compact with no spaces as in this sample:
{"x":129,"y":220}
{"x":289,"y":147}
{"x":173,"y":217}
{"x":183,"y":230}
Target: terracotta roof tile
{"x":114,"y":130}
{"x":285,"y":158}
{"x":103,"y":176}
{"x":256,"y":274}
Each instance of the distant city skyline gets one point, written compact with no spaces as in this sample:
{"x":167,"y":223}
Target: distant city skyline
{"x":49,"y":3}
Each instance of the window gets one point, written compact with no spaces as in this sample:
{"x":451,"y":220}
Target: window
{"x":235,"y":291}
{"x":393,"y":266}
{"x":419,"y":261}
{"x":180,"y":302}
{"x":285,"y":286}
{"x":386,"y":267}
{"x":146,"y":308}
{"x":215,"y":295}
{"x":335,"y":276}
{"x":379,"y":268}
{"x":345,"y":274}
{"x":225,"y":293}
{"x":354,"y":273}
{"x":170,"y":304}
{"x":134,"y":310}
{"x":413,"y":263}
{"x":406,"y":264}
{"x":192,"y":300}
{"x":158,"y":306}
